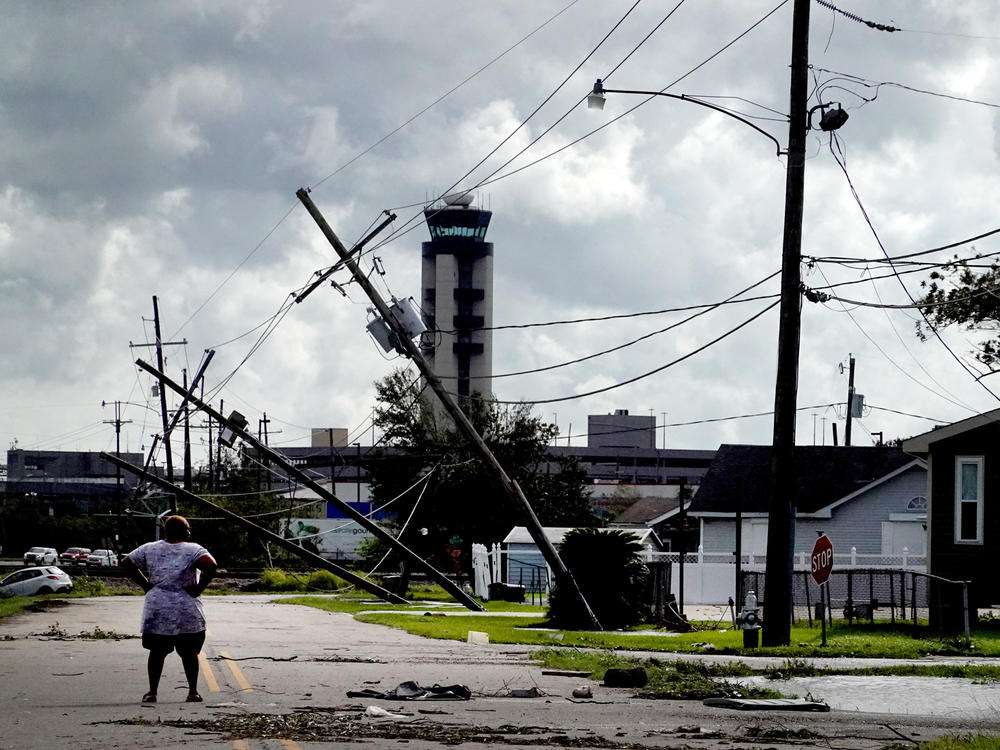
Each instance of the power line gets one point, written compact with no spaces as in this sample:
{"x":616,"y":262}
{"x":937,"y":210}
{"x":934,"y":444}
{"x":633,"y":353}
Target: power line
{"x":654,"y":371}
{"x":907,"y":256}
{"x":448,"y":93}
{"x":838,"y":157}
{"x":517,"y":129}
{"x":624,"y":316}
{"x":869,"y":83}
{"x":859,"y":19}
{"x":906,"y":373}
{"x":492,"y":177}
{"x":627,"y":344}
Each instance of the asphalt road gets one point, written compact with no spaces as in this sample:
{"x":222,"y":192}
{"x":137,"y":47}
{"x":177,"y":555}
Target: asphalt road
{"x":277,"y":676}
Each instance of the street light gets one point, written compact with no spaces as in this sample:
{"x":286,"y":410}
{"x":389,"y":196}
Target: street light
{"x":781,"y":530}
{"x":596,"y":99}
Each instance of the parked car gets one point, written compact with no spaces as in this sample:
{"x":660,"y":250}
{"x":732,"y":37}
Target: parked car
{"x":41,"y":556}
{"x":74,"y":556}
{"x":102,"y":558}
{"x":36,"y":580}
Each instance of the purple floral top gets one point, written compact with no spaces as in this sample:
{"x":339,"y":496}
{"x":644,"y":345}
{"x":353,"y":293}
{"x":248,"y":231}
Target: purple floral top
{"x":168,"y":608}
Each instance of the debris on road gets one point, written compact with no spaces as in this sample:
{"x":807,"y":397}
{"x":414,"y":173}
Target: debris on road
{"x":532,"y":692}
{"x":377,"y":712}
{"x":767,"y":704}
{"x":411,"y":691}
{"x":626,"y":678}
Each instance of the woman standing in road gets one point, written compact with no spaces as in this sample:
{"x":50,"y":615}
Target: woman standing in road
{"x":172,"y":614}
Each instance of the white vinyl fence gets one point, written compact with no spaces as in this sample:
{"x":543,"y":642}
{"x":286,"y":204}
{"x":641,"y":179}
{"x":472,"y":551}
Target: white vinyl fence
{"x":710,"y":577}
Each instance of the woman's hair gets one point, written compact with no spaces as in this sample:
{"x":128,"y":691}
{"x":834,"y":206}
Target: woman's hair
{"x":176,"y":527}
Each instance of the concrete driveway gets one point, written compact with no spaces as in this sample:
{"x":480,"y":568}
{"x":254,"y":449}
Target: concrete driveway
{"x":277,"y":676}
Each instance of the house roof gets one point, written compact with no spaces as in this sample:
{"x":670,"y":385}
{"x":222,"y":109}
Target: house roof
{"x":555,"y":534}
{"x":646,"y":509}
{"x":823,"y":475}
{"x":920,"y":445}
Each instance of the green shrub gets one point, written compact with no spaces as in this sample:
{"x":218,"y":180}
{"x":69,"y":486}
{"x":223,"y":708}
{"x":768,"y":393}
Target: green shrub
{"x":609,"y":572}
{"x":89,"y":586}
{"x":275,"y":579}
{"x":324,"y":580}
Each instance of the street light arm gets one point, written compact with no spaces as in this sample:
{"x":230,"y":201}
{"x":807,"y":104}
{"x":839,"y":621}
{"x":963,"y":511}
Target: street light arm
{"x":684,"y":97}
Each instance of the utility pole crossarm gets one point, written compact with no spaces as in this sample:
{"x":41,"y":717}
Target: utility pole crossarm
{"x":312,"y":484}
{"x":323,"y":276}
{"x":513,"y":491}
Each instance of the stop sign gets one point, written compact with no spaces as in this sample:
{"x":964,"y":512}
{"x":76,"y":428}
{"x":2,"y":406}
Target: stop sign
{"x":822,"y":559}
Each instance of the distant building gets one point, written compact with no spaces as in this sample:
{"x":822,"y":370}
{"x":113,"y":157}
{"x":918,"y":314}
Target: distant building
{"x":620,"y":430}
{"x":457,"y":299}
{"x":68,"y":481}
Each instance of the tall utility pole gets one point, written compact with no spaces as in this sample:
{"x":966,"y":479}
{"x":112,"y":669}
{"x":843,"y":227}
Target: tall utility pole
{"x":187,"y":438}
{"x":780,"y":524}
{"x":118,"y":422}
{"x":158,"y":344}
{"x":850,"y":401}
{"x":218,"y":457}
{"x":211,"y":456}
{"x":563,"y":575}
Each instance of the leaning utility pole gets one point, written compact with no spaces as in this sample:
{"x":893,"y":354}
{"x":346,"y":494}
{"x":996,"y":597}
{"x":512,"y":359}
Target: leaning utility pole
{"x":563,"y":575}
{"x":307,"y":481}
{"x":163,"y":400}
{"x":287,"y":544}
{"x":781,"y":511}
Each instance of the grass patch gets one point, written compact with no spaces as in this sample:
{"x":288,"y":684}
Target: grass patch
{"x":670,"y":680}
{"x":863,"y":641}
{"x":83,"y":587}
{"x":962,"y":742}
{"x":800,"y":668}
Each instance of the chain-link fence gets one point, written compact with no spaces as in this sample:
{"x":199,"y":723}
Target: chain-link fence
{"x":870,"y":595}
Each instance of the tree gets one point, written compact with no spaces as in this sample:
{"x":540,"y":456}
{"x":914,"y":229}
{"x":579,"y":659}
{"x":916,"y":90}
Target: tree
{"x":460,"y":503}
{"x":242,"y":486}
{"x":959,"y":294}
{"x":609,"y":572}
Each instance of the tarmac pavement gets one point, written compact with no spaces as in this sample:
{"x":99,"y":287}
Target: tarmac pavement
{"x":277,"y":676}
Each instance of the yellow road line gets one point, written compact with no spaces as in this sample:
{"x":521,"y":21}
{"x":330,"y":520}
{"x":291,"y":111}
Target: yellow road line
{"x":241,"y":745}
{"x":206,"y":668}
{"x":237,"y":672}
{"x":290,"y":744}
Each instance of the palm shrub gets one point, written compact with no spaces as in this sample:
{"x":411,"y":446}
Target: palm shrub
{"x":610,"y":573}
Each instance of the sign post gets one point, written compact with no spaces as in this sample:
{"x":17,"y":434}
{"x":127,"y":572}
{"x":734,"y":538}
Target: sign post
{"x":821,"y":564}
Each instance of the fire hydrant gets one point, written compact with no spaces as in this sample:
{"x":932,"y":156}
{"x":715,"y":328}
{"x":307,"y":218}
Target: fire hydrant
{"x":749,"y":621}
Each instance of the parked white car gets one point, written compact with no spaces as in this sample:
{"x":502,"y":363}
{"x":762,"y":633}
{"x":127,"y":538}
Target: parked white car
{"x":41,"y":556}
{"x":37,"y":580}
{"x":102,"y":558}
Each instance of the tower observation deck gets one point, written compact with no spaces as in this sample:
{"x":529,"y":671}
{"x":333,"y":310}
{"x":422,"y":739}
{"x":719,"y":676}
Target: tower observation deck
{"x":457,"y":299}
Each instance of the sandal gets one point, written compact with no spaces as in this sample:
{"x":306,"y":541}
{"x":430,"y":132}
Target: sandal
{"x":193,"y":698}
{"x":149,"y":698}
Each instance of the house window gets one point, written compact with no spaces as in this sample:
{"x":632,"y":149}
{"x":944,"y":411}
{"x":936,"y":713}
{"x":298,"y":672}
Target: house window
{"x":917,"y":504}
{"x":969,"y":499}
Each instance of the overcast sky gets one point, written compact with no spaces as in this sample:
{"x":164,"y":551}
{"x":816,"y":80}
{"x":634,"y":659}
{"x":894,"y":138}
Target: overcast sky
{"x":155,"y":149}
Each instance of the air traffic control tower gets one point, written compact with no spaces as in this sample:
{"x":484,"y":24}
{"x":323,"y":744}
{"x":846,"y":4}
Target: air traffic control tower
{"x":457,"y":281}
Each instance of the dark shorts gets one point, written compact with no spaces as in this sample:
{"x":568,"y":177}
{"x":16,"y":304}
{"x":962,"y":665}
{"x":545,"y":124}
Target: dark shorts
{"x":185,"y":643}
